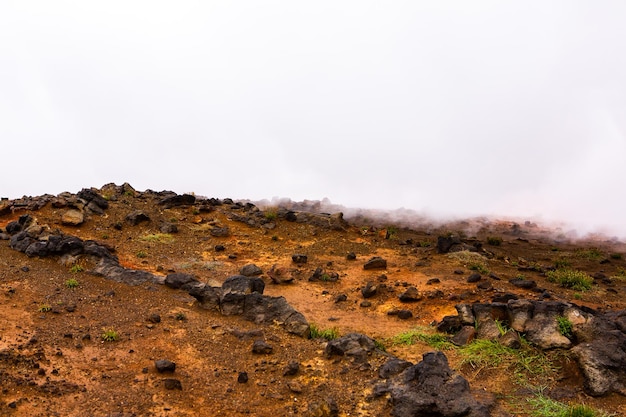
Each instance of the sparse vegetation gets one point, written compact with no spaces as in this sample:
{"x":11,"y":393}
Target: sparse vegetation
{"x":425,"y":244}
{"x":425,"y":335}
{"x":543,"y":406}
{"x":271,"y":213}
{"x":72,"y":283}
{"x":562,"y":263}
{"x":494,"y":240}
{"x":478,"y":267}
{"x":76,"y":268}
{"x":109,"y":335}
{"x":158,"y":237}
{"x":571,"y":278}
{"x":318,"y":333}
{"x":44,"y":308}
{"x":592,"y":254}
{"x":616,"y":256}
{"x":391,"y":233}
{"x":180,"y":316}
{"x":565,"y":326}
{"x":142,"y":254}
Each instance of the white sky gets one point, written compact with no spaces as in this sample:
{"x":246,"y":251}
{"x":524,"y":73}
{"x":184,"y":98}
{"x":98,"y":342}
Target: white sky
{"x":452,"y":108}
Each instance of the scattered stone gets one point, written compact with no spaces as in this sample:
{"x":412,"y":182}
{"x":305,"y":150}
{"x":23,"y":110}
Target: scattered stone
{"x":167,"y":227}
{"x":464,"y":336}
{"x":449,"y":324}
{"x":281,"y":275}
{"x":523,"y":283}
{"x":154,"y":318}
{"x":178,"y":200}
{"x":431,"y":388}
{"x":261,"y":347}
{"x":340,"y":298}
{"x":294,"y":386}
{"x":351,"y":256}
{"x":250,"y":270}
{"x":219,"y":248}
{"x":219,"y":231}
{"x":299,"y":258}
{"x":137,"y":217}
{"x":72,"y":218}
{"x":369,"y":290}
{"x":354,"y":345}
{"x":404,"y":314}
{"x":410,"y":295}
{"x":392,"y":367}
{"x":164,"y":365}
{"x":432,"y":281}
{"x":172,"y":384}
{"x":474,"y":278}
{"x":458,"y":272}
{"x":292,"y":368}
{"x":365,"y":304}
{"x":375,"y":263}
{"x":484,"y":285}
{"x":180,"y":280}
{"x":242,"y":378}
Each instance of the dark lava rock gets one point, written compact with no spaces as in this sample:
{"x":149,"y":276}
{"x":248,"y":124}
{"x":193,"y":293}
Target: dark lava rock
{"x":449,"y":324}
{"x":299,"y":258}
{"x":523,"y":283}
{"x":219,"y":248}
{"x":219,"y":232}
{"x":392,"y":367}
{"x":178,"y":200}
{"x":137,"y":217}
{"x":355,"y":345}
{"x":154,"y":318}
{"x":243,"y":285}
{"x":242,"y":378}
{"x":261,"y":347}
{"x":292,"y":368}
{"x":484,"y":285}
{"x":250,"y":270}
{"x":167,"y":227}
{"x":411,"y":294}
{"x":445,"y":243}
{"x":404,"y":314}
{"x":365,"y":304}
{"x":474,"y":278}
{"x":179,"y":280}
{"x":165,"y":365}
{"x":431,"y":388}
{"x":351,"y":256}
{"x":375,"y":263}
{"x":369,"y":290}
{"x":432,"y":281}
{"x":464,"y":336}
{"x":340,"y":298}
{"x":172,"y":384}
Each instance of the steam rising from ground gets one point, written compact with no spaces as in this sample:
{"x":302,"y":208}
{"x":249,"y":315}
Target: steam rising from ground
{"x":452,"y":109}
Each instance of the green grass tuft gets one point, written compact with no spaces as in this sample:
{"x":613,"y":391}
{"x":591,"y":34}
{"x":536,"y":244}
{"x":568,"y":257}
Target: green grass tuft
{"x":571,"y":278}
{"x":109,"y":335}
{"x":72,"y":283}
{"x":565,"y":326}
{"x":328,"y":334}
{"x":425,"y":335}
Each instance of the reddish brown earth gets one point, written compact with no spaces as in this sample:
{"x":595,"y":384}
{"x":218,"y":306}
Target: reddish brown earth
{"x":55,"y":363}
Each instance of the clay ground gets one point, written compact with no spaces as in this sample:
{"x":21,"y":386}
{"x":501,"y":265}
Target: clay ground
{"x":55,"y":363}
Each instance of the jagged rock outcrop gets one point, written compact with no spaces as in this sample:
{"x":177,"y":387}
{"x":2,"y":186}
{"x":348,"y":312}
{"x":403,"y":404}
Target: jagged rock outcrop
{"x":429,"y":388}
{"x":597,"y":340}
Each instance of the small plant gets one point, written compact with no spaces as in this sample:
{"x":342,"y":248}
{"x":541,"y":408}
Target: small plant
{"x":478,"y":267}
{"x":502,"y":328}
{"x":571,"y":278}
{"x":391,"y":233}
{"x":105,"y":236}
{"x":142,"y":254}
{"x":494,"y":241}
{"x":542,"y":406}
{"x":158,"y":237}
{"x":275,"y":238}
{"x":565,"y":326}
{"x":180,"y":316}
{"x":425,"y":244}
{"x":616,"y":256}
{"x":561,"y":263}
{"x":424,"y":335}
{"x":129,"y":193}
{"x":271,"y":213}
{"x":44,"y":308}
{"x":578,"y":296}
{"x":109,"y":335}
{"x":328,"y":334}
{"x":72,"y":283}
{"x":76,"y":268}
{"x":592,"y":254}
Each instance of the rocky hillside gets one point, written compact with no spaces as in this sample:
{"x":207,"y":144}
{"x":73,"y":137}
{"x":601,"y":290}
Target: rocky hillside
{"x":117,"y":302}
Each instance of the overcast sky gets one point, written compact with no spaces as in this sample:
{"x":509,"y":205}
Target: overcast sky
{"x":450,"y":108}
